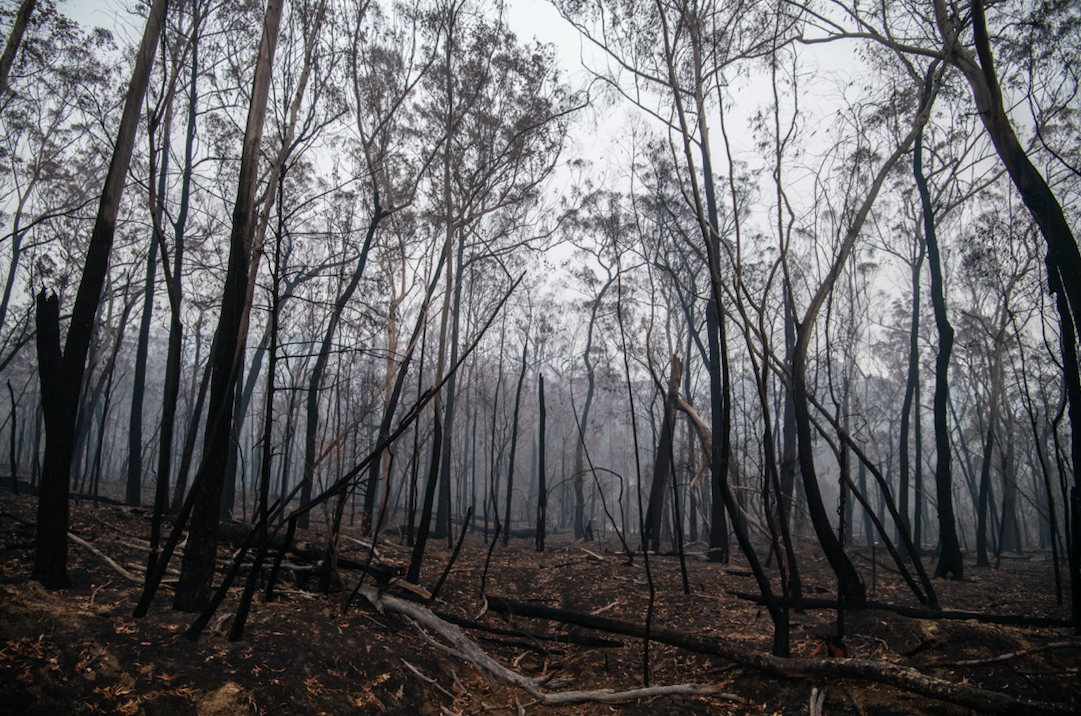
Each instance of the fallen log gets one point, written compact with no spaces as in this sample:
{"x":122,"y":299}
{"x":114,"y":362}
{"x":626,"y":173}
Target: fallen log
{"x":464,"y":648}
{"x":902,"y":677}
{"x":1002,"y":658}
{"x":557,"y":638}
{"x":923,"y":613}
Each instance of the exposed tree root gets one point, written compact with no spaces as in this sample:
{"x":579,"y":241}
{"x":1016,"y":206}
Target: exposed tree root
{"x":901,"y":677}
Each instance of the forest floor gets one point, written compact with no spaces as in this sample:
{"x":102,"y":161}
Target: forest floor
{"x":80,"y":650}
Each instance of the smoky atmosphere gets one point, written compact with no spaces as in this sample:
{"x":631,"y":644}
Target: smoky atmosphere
{"x":585,"y":357}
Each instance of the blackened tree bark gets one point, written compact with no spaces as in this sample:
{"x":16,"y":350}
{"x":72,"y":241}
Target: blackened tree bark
{"x":850,"y":586}
{"x":997,"y":380}
{"x":720,"y":380}
{"x":442,"y":512}
{"x":171,"y":390}
{"x":14,"y":432}
{"x":133,"y":486}
{"x":662,"y":460}
{"x":197,"y":567}
{"x":105,"y":389}
{"x":949,"y":560}
{"x":175,"y":291}
{"x":514,"y":440}
{"x":912,"y":388}
{"x":65,"y":370}
{"x":15,"y":38}
{"x":542,"y":481}
{"x":1072,"y":379}
{"x":788,"y":461}
{"x":1063,"y":256}
{"x":188,"y":452}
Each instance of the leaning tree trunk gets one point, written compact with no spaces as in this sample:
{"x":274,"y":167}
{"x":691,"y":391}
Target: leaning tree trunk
{"x":849,"y":584}
{"x":315,"y":382}
{"x":1063,"y":256}
{"x":64,"y":371}
{"x":197,"y":567}
{"x":18,"y":28}
{"x":171,"y":391}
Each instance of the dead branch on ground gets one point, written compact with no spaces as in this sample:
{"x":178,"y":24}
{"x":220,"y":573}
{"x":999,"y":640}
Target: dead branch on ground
{"x":902,"y":677}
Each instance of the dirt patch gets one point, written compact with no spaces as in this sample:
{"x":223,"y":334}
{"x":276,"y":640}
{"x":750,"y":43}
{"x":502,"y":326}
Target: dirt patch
{"x":81,"y":651}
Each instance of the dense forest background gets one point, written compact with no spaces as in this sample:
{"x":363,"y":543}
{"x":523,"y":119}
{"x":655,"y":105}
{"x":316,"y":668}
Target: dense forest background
{"x":755,"y":271}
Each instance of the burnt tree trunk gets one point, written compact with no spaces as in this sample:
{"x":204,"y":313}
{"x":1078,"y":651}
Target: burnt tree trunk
{"x":514,"y":441}
{"x":662,"y":461}
{"x":542,"y":481}
{"x":65,"y":369}
{"x":949,"y":562}
{"x":18,"y":28}
{"x":912,"y":386}
{"x":197,"y":567}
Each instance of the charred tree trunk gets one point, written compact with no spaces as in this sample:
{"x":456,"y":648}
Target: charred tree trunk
{"x":14,"y":427}
{"x":1063,"y":256}
{"x":911,"y":393}
{"x":15,"y":38}
{"x":181,"y":487}
{"x":789,"y":462}
{"x":514,"y":441}
{"x":949,"y":562}
{"x":442,"y":512}
{"x":65,"y":370}
{"x":171,"y":391}
{"x":197,"y":567}
{"x":662,"y":461}
{"x":988,"y":451}
{"x":850,"y":586}
{"x":542,"y":481}
{"x":133,"y":487}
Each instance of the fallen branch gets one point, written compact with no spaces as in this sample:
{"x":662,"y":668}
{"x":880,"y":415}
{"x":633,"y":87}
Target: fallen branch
{"x":1007,"y":657}
{"x":557,"y":638}
{"x":921,"y":613}
{"x":426,"y":679}
{"x":608,"y":696}
{"x":468,"y":650}
{"x":105,"y":558}
{"x":902,"y":677}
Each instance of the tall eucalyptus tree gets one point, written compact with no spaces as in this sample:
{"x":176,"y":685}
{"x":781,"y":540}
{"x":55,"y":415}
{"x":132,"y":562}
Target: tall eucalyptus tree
{"x":62,"y":372}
